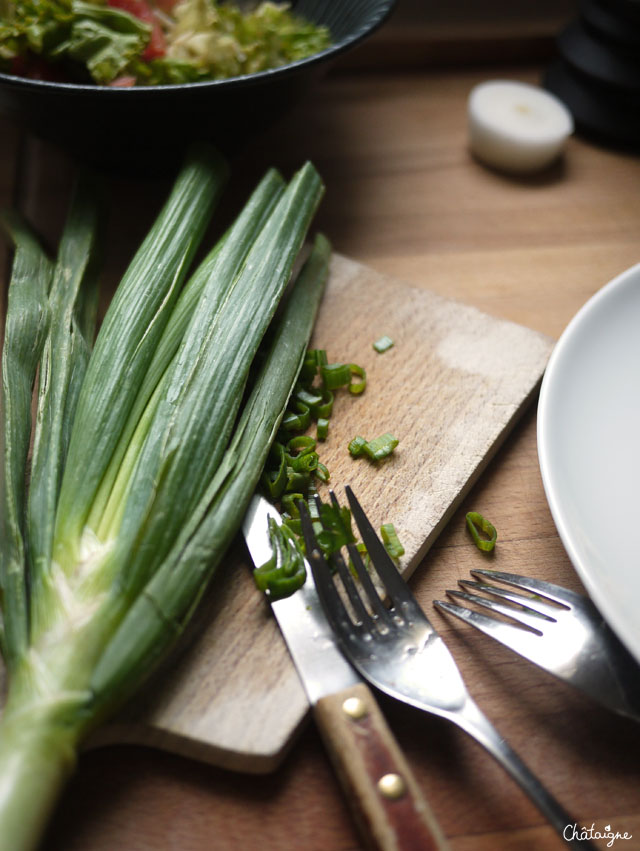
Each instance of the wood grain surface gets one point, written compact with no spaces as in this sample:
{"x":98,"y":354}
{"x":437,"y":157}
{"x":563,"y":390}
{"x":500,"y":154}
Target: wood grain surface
{"x":405,"y":198}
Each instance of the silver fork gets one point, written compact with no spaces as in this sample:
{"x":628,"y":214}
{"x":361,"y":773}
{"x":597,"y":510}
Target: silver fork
{"x":398,"y":650}
{"x":557,"y":629}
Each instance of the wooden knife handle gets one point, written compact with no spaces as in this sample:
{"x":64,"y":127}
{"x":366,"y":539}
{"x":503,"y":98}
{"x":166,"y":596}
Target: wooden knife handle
{"x":382,"y":791}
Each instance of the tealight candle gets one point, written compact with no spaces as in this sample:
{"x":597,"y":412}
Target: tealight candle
{"x":515,"y":126}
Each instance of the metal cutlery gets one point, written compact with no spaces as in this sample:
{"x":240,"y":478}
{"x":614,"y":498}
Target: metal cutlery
{"x":558,"y":630}
{"x":381,"y":789}
{"x":397,"y":649}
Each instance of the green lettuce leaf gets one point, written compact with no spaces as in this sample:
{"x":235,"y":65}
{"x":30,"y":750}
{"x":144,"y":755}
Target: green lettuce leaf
{"x":102,"y":39}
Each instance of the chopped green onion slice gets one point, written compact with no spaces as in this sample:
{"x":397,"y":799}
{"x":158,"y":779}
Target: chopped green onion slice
{"x":383,"y":344}
{"x":476,"y":523}
{"x":364,"y":554}
{"x":299,"y":421}
{"x":294,"y":525}
{"x":301,"y":444}
{"x":290,"y":504}
{"x":314,"y":359}
{"x":275,"y":480}
{"x":380,"y":447}
{"x":357,"y":387}
{"x":322,"y":428}
{"x":319,"y":356}
{"x":322,"y":472}
{"x":324,"y":409}
{"x":335,"y":375}
{"x":285,"y":572}
{"x":391,"y":541}
{"x":308,"y":397}
{"x":297,"y":480}
{"x":357,"y":445}
{"x":308,"y":371}
{"x":336,"y":531}
{"x":314,"y":512}
{"x":306,"y":462}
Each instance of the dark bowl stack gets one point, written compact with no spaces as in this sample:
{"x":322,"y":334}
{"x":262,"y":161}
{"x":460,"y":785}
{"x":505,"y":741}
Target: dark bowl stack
{"x":597,"y":71}
{"x":147,"y":128}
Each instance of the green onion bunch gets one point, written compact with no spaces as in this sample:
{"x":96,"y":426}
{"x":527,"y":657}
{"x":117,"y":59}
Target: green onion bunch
{"x":124,"y":488}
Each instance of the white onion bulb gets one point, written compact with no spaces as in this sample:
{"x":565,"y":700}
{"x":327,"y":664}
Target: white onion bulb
{"x":516,"y":127}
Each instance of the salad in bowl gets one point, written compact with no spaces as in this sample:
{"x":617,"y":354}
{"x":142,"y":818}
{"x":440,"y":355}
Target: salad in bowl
{"x":125,"y":43}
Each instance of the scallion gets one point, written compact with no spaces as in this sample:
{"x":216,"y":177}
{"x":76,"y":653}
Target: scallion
{"x":285,"y":571}
{"x":148,"y":449}
{"x":322,"y":428}
{"x":357,"y":387}
{"x":383,"y":344}
{"x":391,"y":541}
{"x":356,"y":446}
{"x":335,"y":375}
{"x":380,"y":447}
{"x":477,"y":524}
{"x":376,"y":449}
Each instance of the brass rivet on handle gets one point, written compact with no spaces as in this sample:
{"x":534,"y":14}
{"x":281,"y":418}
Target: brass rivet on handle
{"x":354,"y":707}
{"x":391,"y":786}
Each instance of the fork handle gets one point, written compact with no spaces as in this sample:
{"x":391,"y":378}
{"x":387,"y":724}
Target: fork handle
{"x":382,"y":791}
{"x":477,"y":725}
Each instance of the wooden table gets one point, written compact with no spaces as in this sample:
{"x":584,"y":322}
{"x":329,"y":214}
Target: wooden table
{"x":405,"y":196}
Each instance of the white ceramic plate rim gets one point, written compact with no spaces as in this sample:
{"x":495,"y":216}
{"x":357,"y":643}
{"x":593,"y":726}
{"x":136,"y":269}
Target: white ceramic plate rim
{"x":584,"y":440}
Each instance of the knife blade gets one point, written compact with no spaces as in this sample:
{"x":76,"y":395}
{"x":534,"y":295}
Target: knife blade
{"x":381,"y":789}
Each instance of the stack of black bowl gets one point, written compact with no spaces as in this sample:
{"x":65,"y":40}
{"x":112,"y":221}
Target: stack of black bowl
{"x":597,"y":71}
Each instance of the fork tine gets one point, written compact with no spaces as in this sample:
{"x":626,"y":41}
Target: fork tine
{"x":528,"y":604}
{"x":537,"y":586}
{"x":332,"y":603}
{"x":512,"y":636}
{"x":531,"y":621}
{"x":377,"y":604}
{"x":359,"y":608}
{"x":368,"y":587}
{"x":349,"y":585}
{"x":396,"y":587}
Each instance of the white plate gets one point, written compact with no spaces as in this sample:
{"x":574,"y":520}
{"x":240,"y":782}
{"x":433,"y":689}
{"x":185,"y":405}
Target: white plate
{"x":589,"y":449}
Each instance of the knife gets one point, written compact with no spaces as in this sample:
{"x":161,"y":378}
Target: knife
{"x":381,"y":790}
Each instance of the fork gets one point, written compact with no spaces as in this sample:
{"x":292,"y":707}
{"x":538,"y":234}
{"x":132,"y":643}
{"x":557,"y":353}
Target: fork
{"x":397,"y":649}
{"x":559,"y":630}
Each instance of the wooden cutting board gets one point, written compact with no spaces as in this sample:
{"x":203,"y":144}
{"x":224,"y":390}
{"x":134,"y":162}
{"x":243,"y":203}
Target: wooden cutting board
{"x":450,"y":389}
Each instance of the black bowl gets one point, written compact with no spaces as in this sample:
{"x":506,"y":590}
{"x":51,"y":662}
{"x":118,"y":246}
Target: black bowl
{"x":146,"y":128}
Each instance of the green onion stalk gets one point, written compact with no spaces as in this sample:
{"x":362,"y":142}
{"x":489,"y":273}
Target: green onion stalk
{"x":143,"y":450}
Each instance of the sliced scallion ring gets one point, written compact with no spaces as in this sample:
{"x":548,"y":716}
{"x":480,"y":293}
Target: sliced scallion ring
{"x":356,"y":446}
{"x":335,"y":375}
{"x":357,"y":387}
{"x":391,"y":541}
{"x":383,"y":344}
{"x":380,"y":447}
{"x":322,"y":428}
{"x":476,"y":524}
